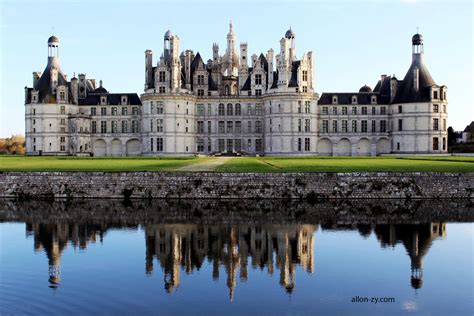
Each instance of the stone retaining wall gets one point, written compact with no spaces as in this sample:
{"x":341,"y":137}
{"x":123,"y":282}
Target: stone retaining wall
{"x":184,"y":185}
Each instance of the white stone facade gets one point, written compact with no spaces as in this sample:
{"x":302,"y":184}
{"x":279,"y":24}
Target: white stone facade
{"x":264,"y":105}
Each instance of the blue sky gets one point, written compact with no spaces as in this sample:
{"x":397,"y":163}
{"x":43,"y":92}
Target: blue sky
{"x":354,"y":42}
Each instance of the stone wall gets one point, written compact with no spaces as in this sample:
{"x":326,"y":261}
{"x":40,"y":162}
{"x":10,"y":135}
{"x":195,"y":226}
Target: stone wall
{"x":309,"y":186}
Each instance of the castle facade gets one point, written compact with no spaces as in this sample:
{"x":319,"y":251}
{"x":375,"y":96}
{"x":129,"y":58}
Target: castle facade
{"x":234,"y":103}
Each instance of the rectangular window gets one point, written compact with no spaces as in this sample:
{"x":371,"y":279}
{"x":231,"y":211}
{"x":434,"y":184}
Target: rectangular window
{"x":435,"y":108}
{"x":307,"y":144}
{"x":383,"y":126}
{"x":400,"y":124}
{"x":435,"y":94}
{"x":444,"y":143}
{"x":305,"y":75}
{"x":249,"y":109}
{"x":103,"y":127}
{"x":159,"y":125}
{"x":344,"y":126}
{"x":221,"y":145}
{"x":124,"y":127}
{"x":400,"y":109}
{"x":238,"y":145}
{"x":151,"y":144}
{"x":334,"y":126}
{"x":159,"y":144}
{"x":373,"y":126}
{"x":258,"y":91}
{"x":94,"y":127}
{"x":200,"y":127}
{"x":299,"y":106}
{"x":325,"y":126}
{"x":249,"y":127}
{"x":258,"y":109}
{"x":159,"y":108}
{"x":124,"y":110}
{"x":161,"y":90}
{"x":299,"y":144}
{"x":307,"y":125}
{"x":221,"y":127}
{"x":93,"y":111}
{"x":200,"y":145}
{"x":114,"y":126}
{"x":221,"y":109}
{"x":230,"y":109}
{"x":325,"y":110}
{"x":334,"y":110}
{"x":344,"y":110}
{"x":444,"y":108}
{"x":200,"y":92}
{"x":200,"y":109}
{"x":354,"y":126}
{"x":103,"y":111}
{"x":444,"y":124}
{"x":62,"y":139}
{"x":305,"y":89}
{"x":435,"y":143}
{"x":134,"y":110}
{"x":200,"y":80}
{"x":307,"y":107}
{"x":363,"y":126}
{"x":230,"y":127}
{"x":62,"y":110}
{"x":435,"y":124}
{"x":299,"y":126}
{"x":209,"y":127}
{"x":383,"y":110}
{"x":162,"y":76}
{"x":238,"y":127}
{"x":258,"y":144}
{"x":354,"y":110}
{"x":258,"y":79}
{"x":62,"y":122}
{"x":373,"y":110}
{"x":364,"y":110}
{"x":135,"y":128}
{"x":258,"y":126}
{"x":114,"y":110}
{"x":238,"y":109}
{"x":230,"y":145}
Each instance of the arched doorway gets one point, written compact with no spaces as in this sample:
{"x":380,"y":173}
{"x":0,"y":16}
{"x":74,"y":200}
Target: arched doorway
{"x":363,"y":147}
{"x":324,"y":147}
{"x":100,"y":148}
{"x":383,"y":146}
{"x":116,"y":148}
{"x":343,"y":148}
{"x":133,"y":147}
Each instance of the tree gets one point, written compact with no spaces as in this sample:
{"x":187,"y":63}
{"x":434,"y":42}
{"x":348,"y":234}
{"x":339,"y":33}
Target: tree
{"x":451,"y":136}
{"x":14,"y":145}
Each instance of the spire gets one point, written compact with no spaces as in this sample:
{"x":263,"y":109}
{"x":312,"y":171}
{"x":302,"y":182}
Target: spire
{"x":231,"y":28}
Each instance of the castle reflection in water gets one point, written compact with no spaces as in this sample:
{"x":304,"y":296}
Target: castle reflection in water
{"x":185,"y":247}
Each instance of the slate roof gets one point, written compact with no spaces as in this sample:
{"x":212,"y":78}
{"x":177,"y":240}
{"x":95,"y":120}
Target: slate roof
{"x":406,"y":92}
{"x":43,"y":85}
{"x":112,"y":99}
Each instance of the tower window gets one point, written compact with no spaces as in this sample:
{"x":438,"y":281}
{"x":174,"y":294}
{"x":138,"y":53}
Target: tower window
{"x":200,"y":79}
{"x":258,"y":79}
{"x":435,"y":108}
{"x":161,"y":76}
{"x":305,"y":75}
{"x":400,"y":109}
{"x":435,"y":143}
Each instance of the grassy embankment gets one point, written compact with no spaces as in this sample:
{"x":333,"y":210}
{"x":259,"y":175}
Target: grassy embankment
{"x":242,"y":164}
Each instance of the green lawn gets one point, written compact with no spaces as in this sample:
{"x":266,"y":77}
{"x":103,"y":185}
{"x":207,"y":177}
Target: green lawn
{"x":242,"y":164}
{"x":349,"y":164}
{"x":116,"y":164}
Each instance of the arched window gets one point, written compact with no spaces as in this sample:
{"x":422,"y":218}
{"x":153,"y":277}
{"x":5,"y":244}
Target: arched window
{"x":227,"y":91}
{"x":221,"y":109}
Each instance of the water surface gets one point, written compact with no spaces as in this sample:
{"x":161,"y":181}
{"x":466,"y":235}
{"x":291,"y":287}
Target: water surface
{"x":255,"y":257}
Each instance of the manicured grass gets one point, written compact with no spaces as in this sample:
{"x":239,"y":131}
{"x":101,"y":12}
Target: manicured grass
{"x":243,"y":164}
{"x":118,"y":164}
{"x":349,"y":164}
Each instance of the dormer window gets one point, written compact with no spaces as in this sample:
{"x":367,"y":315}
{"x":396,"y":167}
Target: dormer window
{"x":354,"y":99}
{"x":334,"y":100}
{"x":435,"y":94}
{"x":373,"y":99}
{"x":103,"y":100}
{"x":62,"y":96}
{"x":124,"y":100}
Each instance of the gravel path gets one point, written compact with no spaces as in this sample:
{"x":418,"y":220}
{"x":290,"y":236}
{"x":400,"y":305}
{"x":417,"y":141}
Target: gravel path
{"x":208,"y":165}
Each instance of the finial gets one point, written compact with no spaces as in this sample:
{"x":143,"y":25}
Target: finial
{"x":100,"y":82}
{"x":417,"y":29}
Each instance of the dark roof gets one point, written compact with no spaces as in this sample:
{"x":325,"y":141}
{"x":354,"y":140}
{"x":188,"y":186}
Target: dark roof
{"x":294,"y":74}
{"x":406,"y":92}
{"x":53,"y":39}
{"x":100,"y":90}
{"x":346,"y":98}
{"x":211,"y":84}
{"x":196,"y":61}
{"x":275,"y":80}
{"x":112,"y":99}
{"x":470,"y":128}
{"x":417,"y":39}
{"x":43,"y":85}
{"x":365,"y":89}
{"x":246,"y":86}
{"x":290,"y":33}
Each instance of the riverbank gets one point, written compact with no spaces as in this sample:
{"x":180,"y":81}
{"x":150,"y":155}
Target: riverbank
{"x":212,"y":185}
